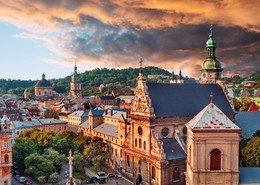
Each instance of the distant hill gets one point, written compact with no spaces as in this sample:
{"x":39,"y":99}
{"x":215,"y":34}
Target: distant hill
{"x":93,"y":78}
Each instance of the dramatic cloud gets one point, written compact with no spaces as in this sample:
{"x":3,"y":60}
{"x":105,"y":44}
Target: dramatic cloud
{"x":116,"y":33}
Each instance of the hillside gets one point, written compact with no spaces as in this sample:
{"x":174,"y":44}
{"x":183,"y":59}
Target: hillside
{"x":93,"y":78}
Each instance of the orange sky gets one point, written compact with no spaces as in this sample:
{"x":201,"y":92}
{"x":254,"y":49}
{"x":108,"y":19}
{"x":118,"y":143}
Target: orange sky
{"x":116,"y":33}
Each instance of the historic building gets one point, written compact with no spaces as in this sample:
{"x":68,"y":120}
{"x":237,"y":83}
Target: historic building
{"x":212,"y":148}
{"x":211,"y":68}
{"x":75,"y":85}
{"x":148,"y":143}
{"x":5,"y":151}
{"x":43,"y":88}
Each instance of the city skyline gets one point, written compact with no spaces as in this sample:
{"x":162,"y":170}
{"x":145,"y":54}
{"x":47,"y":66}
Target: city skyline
{"x":48,"y":37}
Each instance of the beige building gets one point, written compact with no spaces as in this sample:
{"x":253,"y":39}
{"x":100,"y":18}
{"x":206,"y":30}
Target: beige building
{"x":76,"y":118}
{"x":43,"y":88}
{"x":212,"y":149}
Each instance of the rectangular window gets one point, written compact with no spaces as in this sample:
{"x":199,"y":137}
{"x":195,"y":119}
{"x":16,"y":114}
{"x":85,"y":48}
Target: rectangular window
{"x":5,"y":144}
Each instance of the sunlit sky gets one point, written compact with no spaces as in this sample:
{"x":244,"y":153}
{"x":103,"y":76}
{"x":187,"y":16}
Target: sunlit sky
{"x":46,"y":36}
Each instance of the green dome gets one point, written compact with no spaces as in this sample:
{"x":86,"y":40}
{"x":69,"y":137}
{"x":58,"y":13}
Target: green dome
{"x":211,"y":42}
{"x":210,"y":64}
{"x":43,"y":82}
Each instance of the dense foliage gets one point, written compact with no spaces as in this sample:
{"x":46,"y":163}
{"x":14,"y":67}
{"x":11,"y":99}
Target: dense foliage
{"x":41,"y":154}
{"x":250,"y":151}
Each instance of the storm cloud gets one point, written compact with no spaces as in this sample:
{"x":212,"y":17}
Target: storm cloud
{"x":116,"y":33}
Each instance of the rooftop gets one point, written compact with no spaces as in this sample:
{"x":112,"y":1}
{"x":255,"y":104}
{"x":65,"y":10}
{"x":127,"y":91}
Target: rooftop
{"x":211,"y":117}
{"x":185,"y":99}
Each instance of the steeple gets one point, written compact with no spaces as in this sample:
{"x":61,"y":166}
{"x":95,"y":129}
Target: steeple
{"x":141,"y":67}
{"x":75,"y":68}
{"x":75,"y":85}
{"x":211,"y":68}
{"x":211,"y":44}
{"x":43,"y":76}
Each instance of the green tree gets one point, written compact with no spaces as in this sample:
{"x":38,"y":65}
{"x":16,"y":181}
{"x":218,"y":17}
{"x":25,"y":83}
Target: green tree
{"x":252,"y":152}
{"x":57,"y":159}
{"x":37,"y":165}
{"x":79,"y":163}
{"x":53,"y":178}
{"x":51,"y":113}
{"x":41,"y":179}
{"x":22,"y":149}
{"x":94,"y":152}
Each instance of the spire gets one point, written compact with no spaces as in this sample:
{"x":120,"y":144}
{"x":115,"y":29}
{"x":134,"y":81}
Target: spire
{"x":211,"y":34}
{"x":180,"y":75}
{"x":211,"y":44}
{"x":211,"y":98}
{"x":173,"y":76}
{"x":75,"y":67}
{"x":141,"y":67}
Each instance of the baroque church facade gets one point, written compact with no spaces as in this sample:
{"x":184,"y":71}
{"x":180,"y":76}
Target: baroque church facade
{"x":173,"y":134}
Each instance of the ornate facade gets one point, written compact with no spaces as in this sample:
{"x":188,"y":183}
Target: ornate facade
{"x":147,"y":144}
{"x":5,"y":151}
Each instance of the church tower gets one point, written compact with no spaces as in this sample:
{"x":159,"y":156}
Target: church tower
{"x":5,"y":151}
{"x":211,"y":68}
{"x":75,"y":85}
{"x":212,"y":149}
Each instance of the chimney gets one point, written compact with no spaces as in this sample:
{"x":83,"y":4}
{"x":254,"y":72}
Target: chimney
{"x":111,"y":112}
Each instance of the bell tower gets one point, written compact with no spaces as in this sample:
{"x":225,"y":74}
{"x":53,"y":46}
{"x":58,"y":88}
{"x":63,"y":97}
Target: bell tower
{"x":5,"y":151}
{"x":212,"y":148}
{"x":75,"y":85}
{"x":211,"y":68}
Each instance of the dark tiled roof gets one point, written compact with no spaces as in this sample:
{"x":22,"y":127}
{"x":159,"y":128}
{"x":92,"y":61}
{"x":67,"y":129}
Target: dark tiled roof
{"x":97,"y":112}
{"x":172,"y":149}
{"x":249,"y":122}
{"x":43,"y":83}
{"x":249,"y":175}
{"x":107,"y":97}
{"x":185,"y":99}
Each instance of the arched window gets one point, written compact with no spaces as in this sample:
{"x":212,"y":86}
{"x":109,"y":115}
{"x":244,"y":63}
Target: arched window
{"x":153,"y":172}
{"x":176,"y":174}
{"x":215,"y":159}
{"x":6,"y":158}
{"x":144,"y":145}
{"x":140,"y":143}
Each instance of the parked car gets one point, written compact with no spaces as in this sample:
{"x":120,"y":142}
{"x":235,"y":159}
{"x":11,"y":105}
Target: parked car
{"x":101,"y":177}
{"x":16,"y":176}
{"x":22,"y":179}
{"x":111,"y":175}
{"x":91,"y":180}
